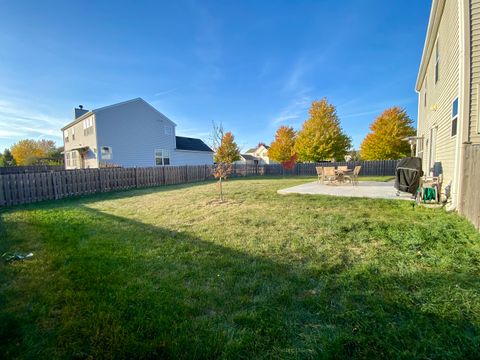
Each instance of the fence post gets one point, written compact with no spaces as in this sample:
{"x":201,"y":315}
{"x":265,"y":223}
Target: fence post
{"x":136,"y":177}
{"x":54,"y":183}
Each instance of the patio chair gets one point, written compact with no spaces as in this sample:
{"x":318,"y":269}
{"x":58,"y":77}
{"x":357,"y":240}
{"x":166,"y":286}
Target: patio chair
{"x":342,"y":168}
{"x":319,"y":170}
{"x":329,"y":174}
{"x":353,"y":176}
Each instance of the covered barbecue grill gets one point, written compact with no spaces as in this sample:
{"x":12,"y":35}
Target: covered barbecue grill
{"x":408,"y":174}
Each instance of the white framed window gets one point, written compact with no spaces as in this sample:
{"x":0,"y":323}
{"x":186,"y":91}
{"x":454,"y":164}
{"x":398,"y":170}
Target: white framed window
{"x":65,"y":136}
{"x":420,"y":147}
{"x":71,"y":159}
{"x":74,"y":158}
{"x":454,"y":117}
{"x":162,"y":157}
{"x":73,"y":133}
{"x":106,"y":152}
{"x":168,"y":130}
{"x":88,"y":126}
{"x":437,"y":62}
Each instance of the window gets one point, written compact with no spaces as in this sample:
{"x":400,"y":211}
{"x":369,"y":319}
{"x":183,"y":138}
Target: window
{"x":106,"y":152}
{"x":74,"y":158}
{"x":162,"y":157}
{"x":71,"y":159}
{"x":420,"y":147}
{"x":454,"y":116}
{"x":73,"y":133}
{"x":65,"y":135}
{"x":88,"y":126}
{"x":168,"y":130}
{"x":437,"y":62}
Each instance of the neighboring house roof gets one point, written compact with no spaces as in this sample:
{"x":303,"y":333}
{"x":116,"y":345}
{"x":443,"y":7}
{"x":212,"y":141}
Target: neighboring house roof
{"x":252,"y":150}
{"x":432,"y":30}
{"x":249,"y":157}
{"x":95,"y":111}
{"x":191,"y":144}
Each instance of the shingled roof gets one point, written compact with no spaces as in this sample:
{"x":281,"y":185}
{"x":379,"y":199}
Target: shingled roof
{"x":191,"y":144}
{"x":249,"y":157}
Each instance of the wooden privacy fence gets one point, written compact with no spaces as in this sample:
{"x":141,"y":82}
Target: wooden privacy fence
{"x":29,"y":169}
{"x":29,"y":187}
{"x":32,"y":187}
{"x":470,"y":202}
{"x":369,"y":168}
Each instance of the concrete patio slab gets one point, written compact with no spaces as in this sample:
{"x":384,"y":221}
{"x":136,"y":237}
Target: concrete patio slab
{"x":368,"y":189}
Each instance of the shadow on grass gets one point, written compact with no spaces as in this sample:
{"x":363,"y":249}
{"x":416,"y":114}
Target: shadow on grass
{"x":104,"y":286}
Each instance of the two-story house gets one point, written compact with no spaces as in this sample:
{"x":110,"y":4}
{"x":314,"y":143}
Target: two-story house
{"x":258,"y":156}
{"x":448,"y":91}
{"x":128,"y":134}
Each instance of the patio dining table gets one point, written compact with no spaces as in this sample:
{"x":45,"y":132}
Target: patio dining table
{"x":340,"y":174}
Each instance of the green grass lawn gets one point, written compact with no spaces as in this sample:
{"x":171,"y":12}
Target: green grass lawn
{"x":171,"y":273}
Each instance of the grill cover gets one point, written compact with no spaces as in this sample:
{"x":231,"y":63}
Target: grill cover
{"x":408,"y":174}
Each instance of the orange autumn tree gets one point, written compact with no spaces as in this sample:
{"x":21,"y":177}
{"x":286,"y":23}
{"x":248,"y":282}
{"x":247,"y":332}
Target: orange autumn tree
{"x":281,"y":149}
{"x":385,"y":139}
{"x":226,"y":154}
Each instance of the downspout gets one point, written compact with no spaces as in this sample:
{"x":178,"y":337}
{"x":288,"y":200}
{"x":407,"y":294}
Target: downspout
{"x":464,"y":98}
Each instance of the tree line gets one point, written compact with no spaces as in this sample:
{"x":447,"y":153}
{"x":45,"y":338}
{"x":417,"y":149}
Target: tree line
{"x":32,"y":152}
{"x":322,"y":138}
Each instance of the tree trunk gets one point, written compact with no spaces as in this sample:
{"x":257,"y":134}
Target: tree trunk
{"x":221,"y":189}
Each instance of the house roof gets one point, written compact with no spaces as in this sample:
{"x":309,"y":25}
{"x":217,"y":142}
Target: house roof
{"x":191,"y":144}
{"x":248,"y":157}
{"x":95,"y":111}
{"x":252,"y":150}
{"x":432,"y":30}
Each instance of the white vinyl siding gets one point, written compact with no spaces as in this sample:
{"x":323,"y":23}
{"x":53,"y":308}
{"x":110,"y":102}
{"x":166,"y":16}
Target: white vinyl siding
{"x":133,"y":130}
{"x":437,"y":114}
{"x":181,"y":157}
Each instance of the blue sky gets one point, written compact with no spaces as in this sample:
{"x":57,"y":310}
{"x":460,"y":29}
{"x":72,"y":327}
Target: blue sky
{"x":253,"y":65}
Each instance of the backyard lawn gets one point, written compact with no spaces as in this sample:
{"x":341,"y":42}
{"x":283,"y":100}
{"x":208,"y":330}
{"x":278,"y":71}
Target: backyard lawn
{"x":172,"y":273}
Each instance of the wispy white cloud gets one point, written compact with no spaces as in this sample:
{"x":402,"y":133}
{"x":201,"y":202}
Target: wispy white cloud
{"x":369,"y":108}
{"x":165,"y":92}
{"x":296,"y":109}
{"x":7,"y":134}
{"x":361,"y":113}
{"x":17,"y":122}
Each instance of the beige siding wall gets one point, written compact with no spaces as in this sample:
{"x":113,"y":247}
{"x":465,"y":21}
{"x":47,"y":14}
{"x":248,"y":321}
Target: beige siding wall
{"x":437,"y":114}
{"x":475,"y":70}
{"x":89,"y":158}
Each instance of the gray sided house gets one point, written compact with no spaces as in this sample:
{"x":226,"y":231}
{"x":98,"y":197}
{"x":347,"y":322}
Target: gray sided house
{"x":128,"y":134}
